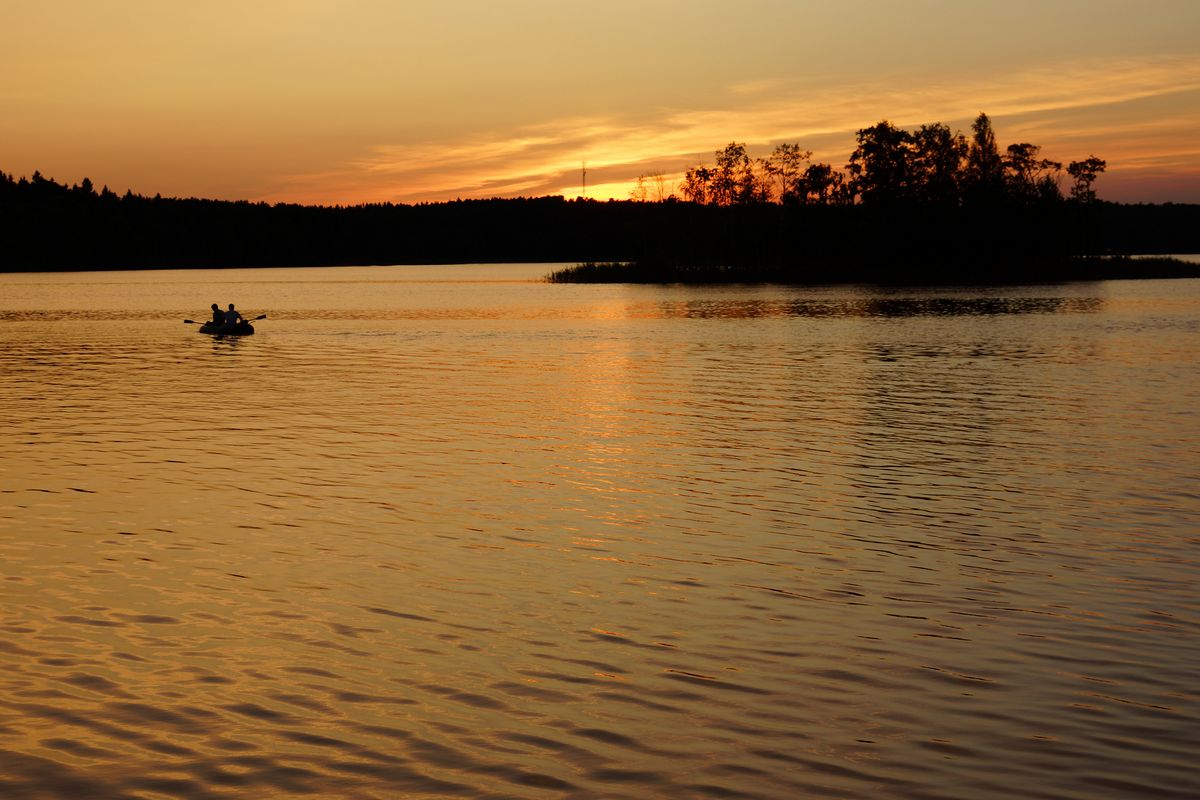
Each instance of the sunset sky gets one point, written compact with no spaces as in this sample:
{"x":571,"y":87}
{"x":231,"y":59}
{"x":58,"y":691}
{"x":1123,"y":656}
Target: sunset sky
{"x":348,"y":101}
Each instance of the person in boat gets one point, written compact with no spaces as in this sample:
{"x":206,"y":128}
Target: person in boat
{"x":218,"y":315}
{"x":232,"y":317}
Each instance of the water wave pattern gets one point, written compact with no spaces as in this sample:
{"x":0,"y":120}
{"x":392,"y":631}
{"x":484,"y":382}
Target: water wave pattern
{"x":466,"y":537}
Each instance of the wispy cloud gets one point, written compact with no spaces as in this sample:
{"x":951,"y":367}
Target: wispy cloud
{"x":1137,"y":113}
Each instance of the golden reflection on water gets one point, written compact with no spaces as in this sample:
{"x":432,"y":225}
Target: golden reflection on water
{"x":434,"y":534}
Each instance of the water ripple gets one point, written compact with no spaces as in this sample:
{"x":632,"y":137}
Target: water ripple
{"x":426,"y":538}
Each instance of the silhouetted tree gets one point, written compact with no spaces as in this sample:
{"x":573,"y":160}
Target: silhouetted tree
{"x":733,"y":176}
{"x":1028,"y":177}
{"x":937,"y":164}
{"x":785,"y":167}
{"x":985,"y":168}
{"x":650,"y":186}
{"x":658,"y":185}
{"x":1085,"y":173}
{"x":821,"y":184}
{"x":640,"y":193}
{"x":696,"y":184}
{"x":880,"y":168}
{"x":736,"y":179}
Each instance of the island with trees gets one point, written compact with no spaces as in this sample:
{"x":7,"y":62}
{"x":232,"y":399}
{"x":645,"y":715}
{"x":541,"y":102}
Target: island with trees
{"x":928,"y":205}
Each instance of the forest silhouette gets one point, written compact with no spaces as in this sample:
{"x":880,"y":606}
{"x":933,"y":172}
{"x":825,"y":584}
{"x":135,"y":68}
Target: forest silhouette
{"x":926,"y":205}
{"x":894,"y":167}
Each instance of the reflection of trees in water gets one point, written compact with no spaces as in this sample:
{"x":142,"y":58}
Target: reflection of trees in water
{"x":875,"y":307}
{"x":978,"y":306}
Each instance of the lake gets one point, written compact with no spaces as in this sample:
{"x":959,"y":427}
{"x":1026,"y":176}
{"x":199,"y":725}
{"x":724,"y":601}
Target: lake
{"x":455,"y":532}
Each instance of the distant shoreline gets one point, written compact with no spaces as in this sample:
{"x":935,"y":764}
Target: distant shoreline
{"x":50,"y":227}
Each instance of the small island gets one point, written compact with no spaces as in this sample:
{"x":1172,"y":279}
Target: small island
{"x":928,"y":206}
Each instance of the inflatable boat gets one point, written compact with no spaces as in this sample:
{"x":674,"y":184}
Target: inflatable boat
{"x":237,"y":329}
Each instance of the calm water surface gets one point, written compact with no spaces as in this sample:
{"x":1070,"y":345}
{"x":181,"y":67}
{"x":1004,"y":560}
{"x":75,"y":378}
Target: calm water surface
{"x":450,"y":532}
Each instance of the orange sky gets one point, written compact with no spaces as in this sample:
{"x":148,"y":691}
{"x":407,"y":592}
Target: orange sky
{"x":348,"y":101}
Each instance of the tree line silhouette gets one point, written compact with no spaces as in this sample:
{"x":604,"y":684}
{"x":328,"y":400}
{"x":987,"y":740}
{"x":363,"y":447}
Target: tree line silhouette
{"x":892,"y":167}
{"x":923,"y":205}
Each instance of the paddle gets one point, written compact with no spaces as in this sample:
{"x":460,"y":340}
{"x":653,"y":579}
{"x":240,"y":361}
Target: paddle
{"x":193,"y":322}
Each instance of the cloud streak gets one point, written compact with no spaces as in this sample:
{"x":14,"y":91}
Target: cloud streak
{"x":1140,"y":114}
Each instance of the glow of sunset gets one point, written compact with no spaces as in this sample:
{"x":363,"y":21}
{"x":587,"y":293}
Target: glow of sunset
{"x":351,"y":101}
